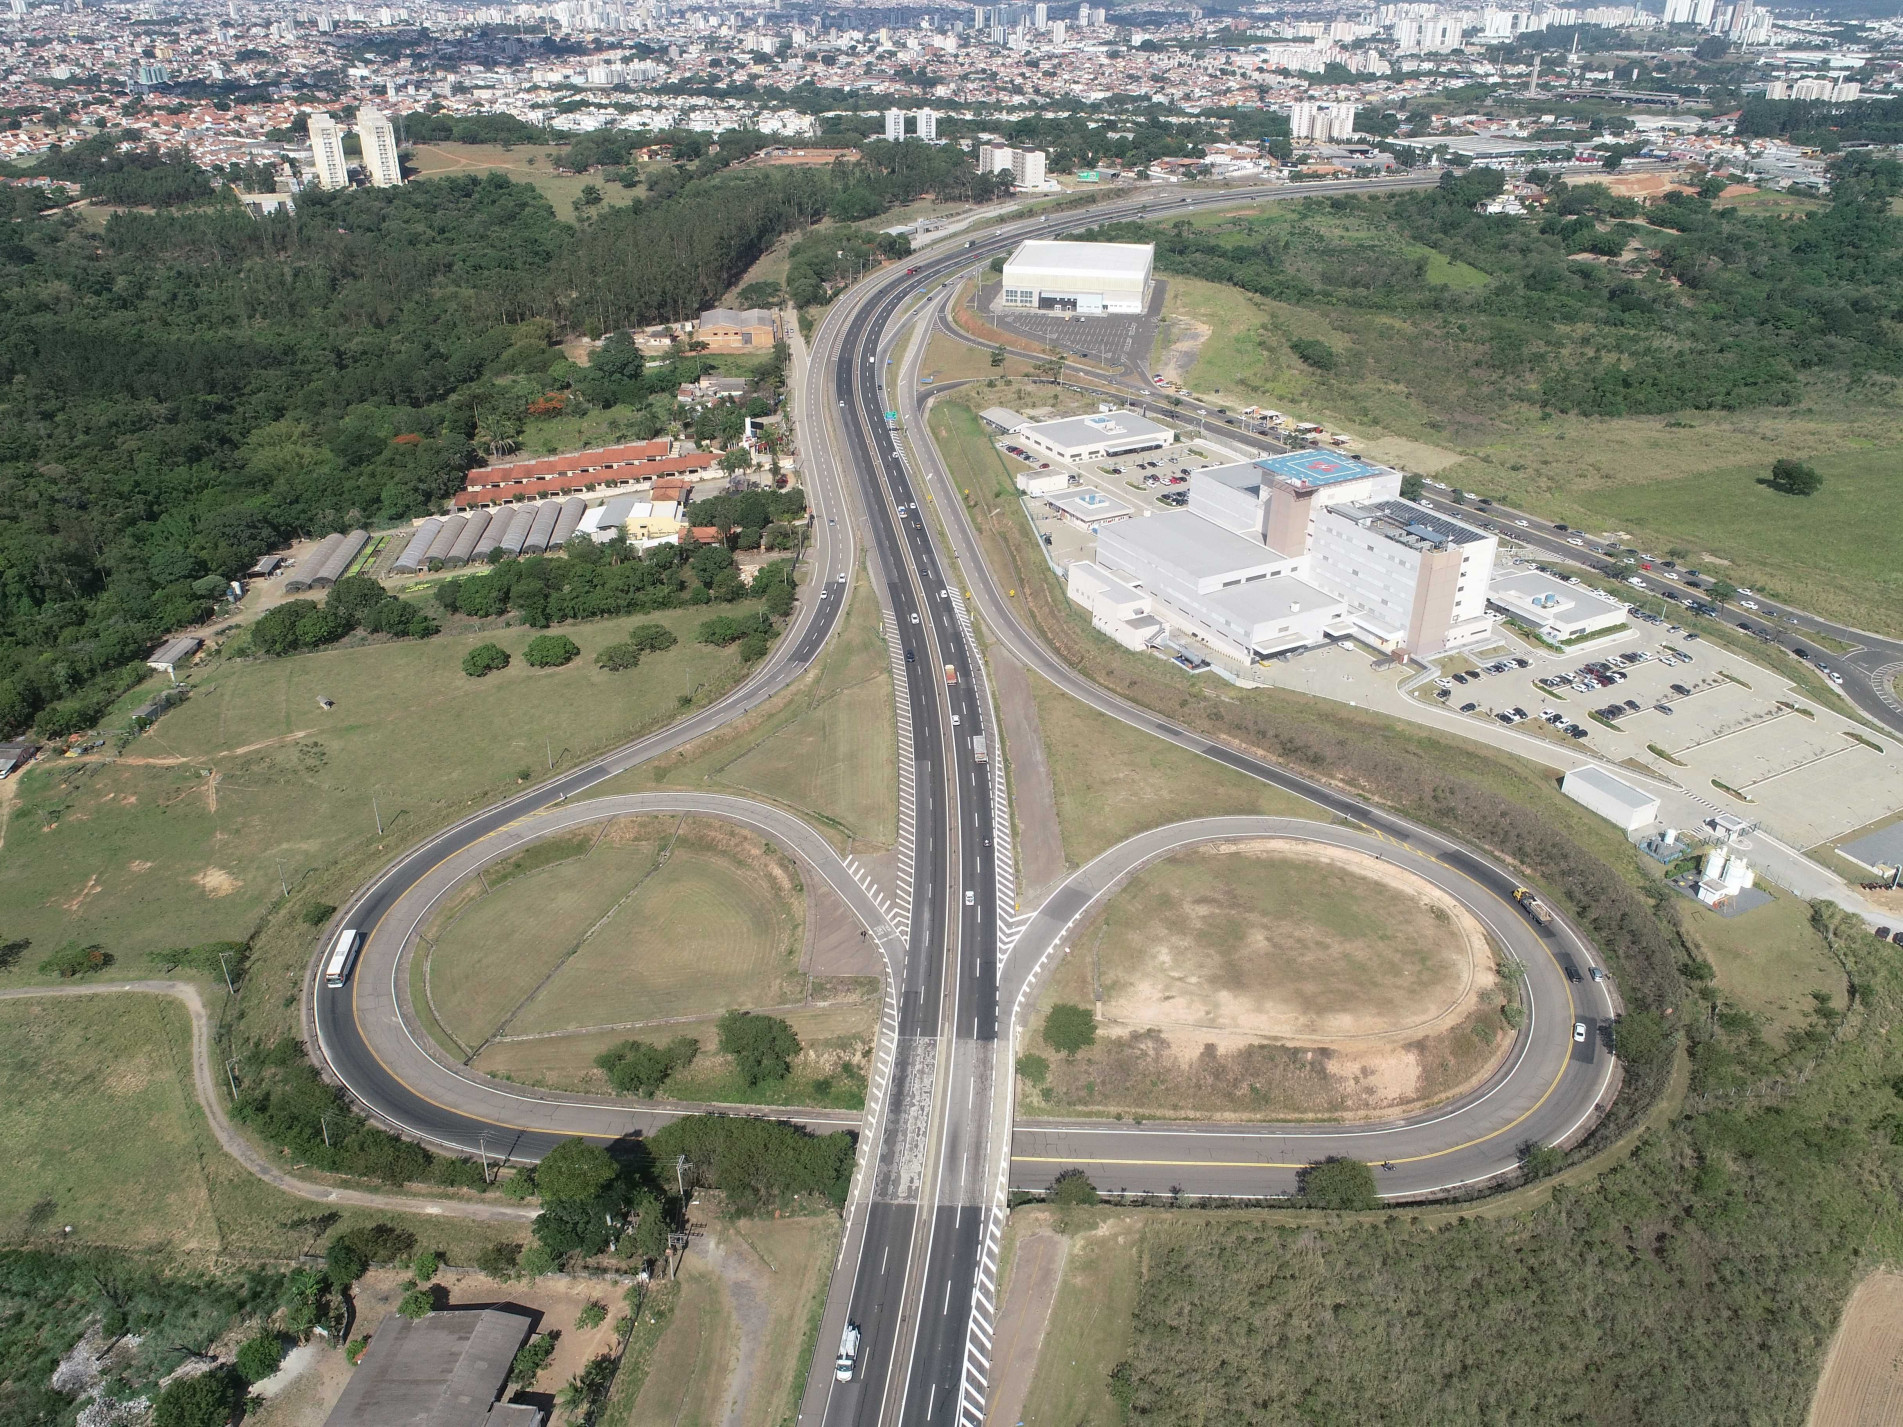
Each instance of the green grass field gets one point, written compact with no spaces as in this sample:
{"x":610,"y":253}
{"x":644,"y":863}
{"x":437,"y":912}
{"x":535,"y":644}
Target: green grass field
{"x":649,"y":924}
{"x":104,"y":1134}
{"x":524,"y":163}
{"x":1682,"y":481}
{"x":1769,"y":960}
{"x":181,"y":839}
{"x":1113,"y":781}
{"x":825,"y":749}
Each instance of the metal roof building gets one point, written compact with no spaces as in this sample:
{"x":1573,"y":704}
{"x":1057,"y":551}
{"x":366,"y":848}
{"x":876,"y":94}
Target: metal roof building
{"x":1095,"y":438}
{"x":1054,"y":276}
{"x":416,"y":551}
{"x":443,"y":1370}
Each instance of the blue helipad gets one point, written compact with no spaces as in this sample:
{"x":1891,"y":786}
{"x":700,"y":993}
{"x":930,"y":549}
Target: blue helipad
{"x":1316,"y":468}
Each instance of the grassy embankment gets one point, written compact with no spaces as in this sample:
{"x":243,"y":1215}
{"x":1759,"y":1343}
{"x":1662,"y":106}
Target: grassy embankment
{"x":1417,"y":392}
{"x":825,"y":749}
{"x":524,"y":163}
{"x":97,"y":1104}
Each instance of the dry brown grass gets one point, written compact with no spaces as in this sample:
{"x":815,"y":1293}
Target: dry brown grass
{"x":1862,"y":1381}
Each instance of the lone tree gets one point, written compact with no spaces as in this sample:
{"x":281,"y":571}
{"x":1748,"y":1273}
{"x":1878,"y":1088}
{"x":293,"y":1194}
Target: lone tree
{"x":208,"y":1400}
{"x":574,"y":1169}
{"x":1722,"y":592}
{"x":1068,"y":1029}
{"x":1338,"y":1184}
{"x":550,"y":651}
{"x":762,"y":1047}
{"x":1793,"y":477}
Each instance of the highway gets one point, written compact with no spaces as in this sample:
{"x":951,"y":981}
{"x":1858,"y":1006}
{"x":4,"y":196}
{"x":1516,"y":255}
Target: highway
{"x":918,"y":1261}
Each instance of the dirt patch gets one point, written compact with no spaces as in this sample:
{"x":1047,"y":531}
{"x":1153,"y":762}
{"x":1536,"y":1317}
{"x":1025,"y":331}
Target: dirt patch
{"x":216,"y":882}
{"x":1184,"y":337}
{"x":1194,"y":961}
{"x":836,"y":944}
{"x":1276,"y":976}
{"x":86,"y":893}
{"x":1862,"y":1381}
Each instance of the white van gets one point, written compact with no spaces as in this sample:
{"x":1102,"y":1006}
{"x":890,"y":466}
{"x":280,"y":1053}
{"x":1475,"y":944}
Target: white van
{"x":848,"y":1354}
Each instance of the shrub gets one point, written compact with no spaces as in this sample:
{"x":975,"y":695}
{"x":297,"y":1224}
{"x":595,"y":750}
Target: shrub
{"x":260,"y":1356}
{"x":417,"y":1303}
{"x":484,"y":660}
{"x":1073,"y":1187}
{"x":1318,"y":355}
{"x":753,"y":648}
{"x":531,"y":1358}
{"x":1538,"y":1160}
{"x":75,"y":959}
{"x":1338,"y":1184}
{"x":537,"y":1259}
{"x":208,"y":1400}
{"x":316,"y":914}
{"x":1069,"y":1029}
{"x":1034,"y":1068}
{"x":640,"y":1068}
{"x":617,"y":657}
{"x":652,"y":638}
{"x":424,"y":1266}
{"x":381,"y":1243}
{"x":499,"y":1260}
{"x":550,"y":651}
{"x":592,"y":1315}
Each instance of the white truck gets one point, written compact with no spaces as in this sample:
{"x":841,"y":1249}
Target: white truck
{"x":848,"y":1353}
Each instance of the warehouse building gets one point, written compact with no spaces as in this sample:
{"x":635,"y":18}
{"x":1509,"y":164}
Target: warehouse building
{"x":1612,"y":798}
{"x":443,"y":1370}
{"x":1095,"y":438}
{"x":1079,"y":277}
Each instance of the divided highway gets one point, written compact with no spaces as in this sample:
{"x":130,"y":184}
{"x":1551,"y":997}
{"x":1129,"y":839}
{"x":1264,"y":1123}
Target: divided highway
{"x":917,"y":1264}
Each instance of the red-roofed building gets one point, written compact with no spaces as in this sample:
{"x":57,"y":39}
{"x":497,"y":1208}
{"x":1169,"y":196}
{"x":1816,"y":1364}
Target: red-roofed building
{"x":708,"y":535}
{"x":566,"y":475}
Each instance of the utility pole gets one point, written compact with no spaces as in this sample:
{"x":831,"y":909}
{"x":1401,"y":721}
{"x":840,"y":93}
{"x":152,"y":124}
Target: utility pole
{"x":226,"y":967}
{"x":482,"y":1148}
{"x":548,"y":747}
{"x":680,"y":1180}
{"x":232,"y":1079}
{"x":324,"y":1121}
{"x":283,"y":886}
{"x":378,"y":812}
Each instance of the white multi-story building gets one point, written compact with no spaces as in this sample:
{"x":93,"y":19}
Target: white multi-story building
{"x":895,"y":125}
{"x":329,"y":170}
{"x":1309,"y":119}
{"x":927,"y":120}
{"x":1027,"y":168}
{"x":1282,"y":553}
{"x":378,"y":138}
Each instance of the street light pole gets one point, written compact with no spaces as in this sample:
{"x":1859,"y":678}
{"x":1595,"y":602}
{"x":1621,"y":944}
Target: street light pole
{"x":226,"y":967}
{"x":378,"y":812}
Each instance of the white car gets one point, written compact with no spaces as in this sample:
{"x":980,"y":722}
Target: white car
{"x":1579,"y":1032}
{"x":954,"y":720}
{"x":1748,"y":604}
{"x":842,"y":579}
{"x":1574,"y":540}
{"x":971,"y":898}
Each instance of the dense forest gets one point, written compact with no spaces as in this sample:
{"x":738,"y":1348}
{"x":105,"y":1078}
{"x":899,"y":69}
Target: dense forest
{"x":1717,"y":309}
{"x":194,"y":386}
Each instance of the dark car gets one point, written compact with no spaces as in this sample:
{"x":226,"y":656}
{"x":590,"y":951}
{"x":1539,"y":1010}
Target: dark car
{"x":1468,"y":707}
{"x":910,"y":657}
{"x":1883,"y":933}
{"x":1632,"y":705}
{"x":1572,"y":972}
{"x":1680,"y":690}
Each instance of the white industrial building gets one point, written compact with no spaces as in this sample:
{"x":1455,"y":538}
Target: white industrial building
{"x":1724,"y":875}
{"x":1115,"y":609}
{"x":1559,"y":613}
{"x":378,"y":138}
{"x":329,"y":168}
{"x":1279,"y":554}
{"x":1095,"y":438}
{"x":1079,"y":277}
{"x":1612,"y":798}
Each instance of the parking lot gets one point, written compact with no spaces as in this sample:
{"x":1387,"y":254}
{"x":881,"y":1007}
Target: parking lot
{"x":1112,"y":341}
{"x":1716,"y":724}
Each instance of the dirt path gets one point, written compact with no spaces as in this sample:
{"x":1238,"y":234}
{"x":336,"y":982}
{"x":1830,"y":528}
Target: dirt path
{"x":1035,"y":1274}
{"x":1186,"y":337}
{"x":204,"y":1083}
{"x":1862,"y":1381}
{"x":173,"y":760}
{"x":744,"y":1272}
